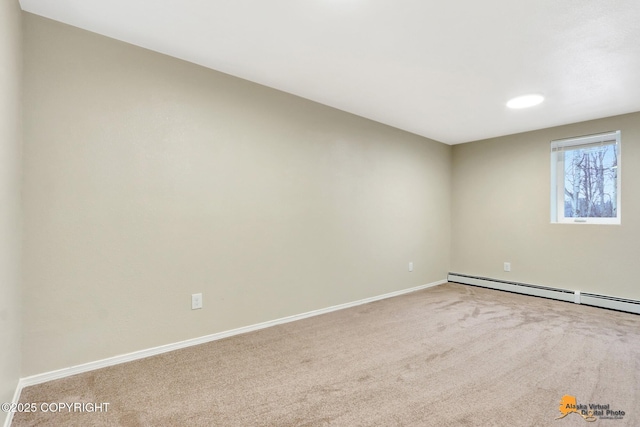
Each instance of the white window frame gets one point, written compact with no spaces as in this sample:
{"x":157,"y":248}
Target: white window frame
{"x":558,"y":174}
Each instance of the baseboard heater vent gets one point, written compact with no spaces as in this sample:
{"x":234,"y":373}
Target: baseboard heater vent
{"x":622,"y":304}
{"x":614,"y":303}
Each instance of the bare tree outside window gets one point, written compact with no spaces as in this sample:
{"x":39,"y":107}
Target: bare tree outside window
{"x":590,"y":186}
{"x":585,"y":179}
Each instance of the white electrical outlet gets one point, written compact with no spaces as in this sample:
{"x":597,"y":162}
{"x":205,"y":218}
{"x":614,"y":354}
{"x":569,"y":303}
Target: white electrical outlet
{"x":196,"y":301}
{"x":507,"y":266}
{"x":411,"y":266}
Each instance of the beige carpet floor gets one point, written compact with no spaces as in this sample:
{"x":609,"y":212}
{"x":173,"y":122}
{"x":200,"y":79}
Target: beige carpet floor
{"x":452,"y":355}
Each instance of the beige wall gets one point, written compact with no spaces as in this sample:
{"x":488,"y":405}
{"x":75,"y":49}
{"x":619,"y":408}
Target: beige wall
{"x":148,"y":179}
{"x":10,"y":145}
{"x":500,"y":208}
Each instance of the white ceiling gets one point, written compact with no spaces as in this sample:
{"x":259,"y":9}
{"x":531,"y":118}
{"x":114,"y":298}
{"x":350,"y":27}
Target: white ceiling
{"x":441,"y":69}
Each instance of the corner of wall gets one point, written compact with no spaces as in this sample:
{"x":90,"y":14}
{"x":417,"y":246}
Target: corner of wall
{"x":10,"y":208}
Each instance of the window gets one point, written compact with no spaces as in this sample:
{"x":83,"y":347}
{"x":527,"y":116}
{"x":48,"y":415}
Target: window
{"x":585,"y":179}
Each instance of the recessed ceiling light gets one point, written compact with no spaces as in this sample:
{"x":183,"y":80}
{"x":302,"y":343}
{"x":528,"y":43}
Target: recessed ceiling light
{"x":525,"y":101}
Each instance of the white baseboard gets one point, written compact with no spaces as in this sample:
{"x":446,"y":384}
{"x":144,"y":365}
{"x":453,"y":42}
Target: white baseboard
{"x":86,"y":367}
{"x":596,"y":300}
{"x":15,"y":399}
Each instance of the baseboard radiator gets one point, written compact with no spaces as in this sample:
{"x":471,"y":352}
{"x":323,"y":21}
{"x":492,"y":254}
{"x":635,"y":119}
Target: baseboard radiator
{"x":603,"y":301}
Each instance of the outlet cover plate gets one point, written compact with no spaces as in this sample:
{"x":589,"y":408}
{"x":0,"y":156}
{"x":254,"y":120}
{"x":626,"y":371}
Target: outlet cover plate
{"x":196,"y":301}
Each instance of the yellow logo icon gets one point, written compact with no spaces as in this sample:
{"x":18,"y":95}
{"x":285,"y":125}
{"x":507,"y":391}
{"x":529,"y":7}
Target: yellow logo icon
{"x":569,"y":404}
